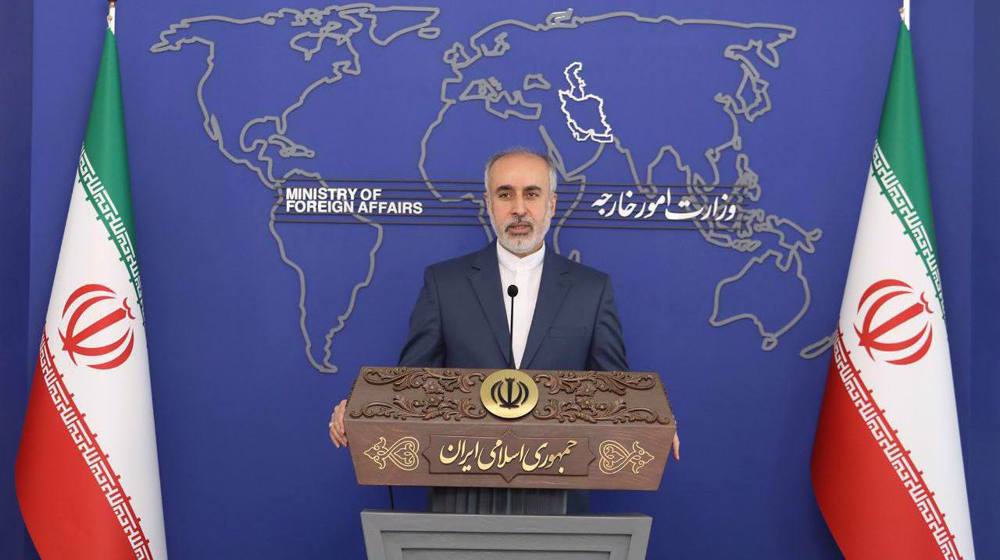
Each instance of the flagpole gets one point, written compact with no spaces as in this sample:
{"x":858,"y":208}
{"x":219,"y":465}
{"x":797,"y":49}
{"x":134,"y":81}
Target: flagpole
{"x":111,"y":15}
{"x":904,"y":13}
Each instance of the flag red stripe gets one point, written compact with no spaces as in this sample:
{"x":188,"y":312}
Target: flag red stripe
{"x":872,"y":496}
{"x":72,"y":501}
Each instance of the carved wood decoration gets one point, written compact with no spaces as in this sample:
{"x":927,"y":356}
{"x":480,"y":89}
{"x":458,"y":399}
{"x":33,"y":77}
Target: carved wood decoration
{"x":588,"y":430}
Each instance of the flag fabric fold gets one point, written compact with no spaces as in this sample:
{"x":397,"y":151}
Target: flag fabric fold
{"x":887,"y":465}
{"x":86,"y":474}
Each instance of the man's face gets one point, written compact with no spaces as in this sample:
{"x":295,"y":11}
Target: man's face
{"x":520,"y":201}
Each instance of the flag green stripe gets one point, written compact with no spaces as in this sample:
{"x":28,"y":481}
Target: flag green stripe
{"x":908,"y":216}
{"x":104,"y":206}
{"x":901,"y":136}
{"x":103,"y":167}
{"x":105,"y":139}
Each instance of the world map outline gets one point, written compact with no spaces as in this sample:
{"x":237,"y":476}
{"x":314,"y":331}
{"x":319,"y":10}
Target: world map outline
{"x":739,"y":236}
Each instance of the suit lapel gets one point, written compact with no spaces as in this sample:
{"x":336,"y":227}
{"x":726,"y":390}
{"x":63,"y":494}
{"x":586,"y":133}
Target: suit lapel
{"x":552,"y":291}
{"x":484,"y":275}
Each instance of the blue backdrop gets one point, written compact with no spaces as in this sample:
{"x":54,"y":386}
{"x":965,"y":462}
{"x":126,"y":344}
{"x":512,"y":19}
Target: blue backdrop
{"x":249,"y":315}
{"x":15,"y":156}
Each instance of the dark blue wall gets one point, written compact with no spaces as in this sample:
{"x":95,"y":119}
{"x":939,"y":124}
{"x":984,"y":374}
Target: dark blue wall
{"x":985,"y":274}
{"x":246,"y":468}
{"x":15,"y":157}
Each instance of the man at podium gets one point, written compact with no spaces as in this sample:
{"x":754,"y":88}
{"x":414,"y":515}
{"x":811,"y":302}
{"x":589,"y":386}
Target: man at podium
{"x":564,"y":314}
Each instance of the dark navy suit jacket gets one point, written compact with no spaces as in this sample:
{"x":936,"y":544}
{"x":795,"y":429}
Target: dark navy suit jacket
{"x":460,"y":321}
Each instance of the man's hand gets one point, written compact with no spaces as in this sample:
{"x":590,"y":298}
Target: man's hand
{"x":337,"y":433}
{"x":677,"y":446}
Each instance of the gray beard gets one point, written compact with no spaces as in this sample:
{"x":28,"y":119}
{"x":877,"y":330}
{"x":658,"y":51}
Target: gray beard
{"x":524,"y":245}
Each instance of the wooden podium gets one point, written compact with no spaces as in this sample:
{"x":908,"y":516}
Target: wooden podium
{"x":541,"y":431}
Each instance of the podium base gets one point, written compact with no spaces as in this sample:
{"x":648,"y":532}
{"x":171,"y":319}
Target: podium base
{"x":446,"y":536}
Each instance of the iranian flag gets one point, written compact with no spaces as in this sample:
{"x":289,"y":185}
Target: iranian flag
{"x":86,"y":474}
{"x":887,"y":461}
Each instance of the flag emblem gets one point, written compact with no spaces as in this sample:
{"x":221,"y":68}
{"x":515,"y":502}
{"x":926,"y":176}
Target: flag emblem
{"x":895,"y":322}
{"x":97,"y":327}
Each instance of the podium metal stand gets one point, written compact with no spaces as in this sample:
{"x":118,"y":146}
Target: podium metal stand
{"x":442,"y":536}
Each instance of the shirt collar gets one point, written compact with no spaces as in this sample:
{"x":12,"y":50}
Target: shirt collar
{"x":512,"y":262}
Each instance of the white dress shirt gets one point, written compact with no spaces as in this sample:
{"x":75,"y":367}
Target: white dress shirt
{"x":526,"y":273}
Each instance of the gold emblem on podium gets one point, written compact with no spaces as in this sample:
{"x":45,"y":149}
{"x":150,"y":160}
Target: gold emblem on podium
{"x":615,"y":457}
{"x":509,"y":393}
{"x":404,"y":453}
